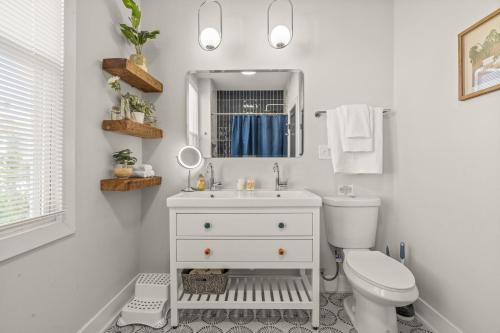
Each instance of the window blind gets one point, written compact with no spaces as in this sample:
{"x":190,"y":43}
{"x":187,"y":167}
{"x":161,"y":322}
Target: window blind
{"x":31,"y":109}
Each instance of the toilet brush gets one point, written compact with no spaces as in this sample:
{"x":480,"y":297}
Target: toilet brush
{"x":406,"y":312}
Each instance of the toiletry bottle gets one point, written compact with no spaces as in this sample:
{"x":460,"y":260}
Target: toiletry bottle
{"x":240,"y":184}
{"x":250,"y":184}
{"x":200,"y":185}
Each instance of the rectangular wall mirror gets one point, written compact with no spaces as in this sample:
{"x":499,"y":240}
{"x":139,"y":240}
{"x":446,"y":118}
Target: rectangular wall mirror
{"x":246,"y":113}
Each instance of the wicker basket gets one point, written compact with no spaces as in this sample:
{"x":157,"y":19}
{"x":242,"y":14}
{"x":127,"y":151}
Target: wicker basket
{"x":204,"y":283}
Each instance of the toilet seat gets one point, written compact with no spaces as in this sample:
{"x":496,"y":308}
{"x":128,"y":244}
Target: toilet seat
{"x":377,"y":269}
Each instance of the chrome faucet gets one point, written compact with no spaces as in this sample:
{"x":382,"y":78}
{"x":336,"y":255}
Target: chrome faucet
{"x":212,"y":185}
{"x":278,"y":183}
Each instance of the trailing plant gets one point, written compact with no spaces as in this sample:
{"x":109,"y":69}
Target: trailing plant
{"x":137,"y":104}
{"x":131,"y":32}
{"x":124,"y":157}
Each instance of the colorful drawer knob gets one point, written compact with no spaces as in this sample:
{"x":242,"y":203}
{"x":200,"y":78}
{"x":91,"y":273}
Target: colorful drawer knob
{"x":281,"y":252}
{"x":207,"y":225}
{"x":281,"y":225}
{"x":207,"y":252}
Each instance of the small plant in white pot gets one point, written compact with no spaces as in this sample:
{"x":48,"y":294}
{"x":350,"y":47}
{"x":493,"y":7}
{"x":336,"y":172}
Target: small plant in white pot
{"x":140,"y":109}
{"x":135,"y":36}
{"x":124,"y":161}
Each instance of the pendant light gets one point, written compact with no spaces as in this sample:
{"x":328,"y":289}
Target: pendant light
{"x":280,"y":35}
{"x":209,"y":38}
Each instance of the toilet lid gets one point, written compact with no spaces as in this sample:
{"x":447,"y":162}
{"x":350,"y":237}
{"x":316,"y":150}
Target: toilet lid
{"x":379,"y":269}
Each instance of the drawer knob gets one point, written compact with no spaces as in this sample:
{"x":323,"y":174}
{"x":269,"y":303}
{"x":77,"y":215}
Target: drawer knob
{"x":207,"y":251}
{"x":281,"y":252}
{"x":207,"y":225}
{"x":281,"y":225}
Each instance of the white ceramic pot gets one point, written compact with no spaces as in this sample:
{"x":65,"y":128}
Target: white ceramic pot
{"x":138,"y":117}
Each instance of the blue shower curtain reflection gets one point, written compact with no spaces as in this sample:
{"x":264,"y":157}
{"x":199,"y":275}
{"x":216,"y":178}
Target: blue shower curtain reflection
{"x":260,"y":136}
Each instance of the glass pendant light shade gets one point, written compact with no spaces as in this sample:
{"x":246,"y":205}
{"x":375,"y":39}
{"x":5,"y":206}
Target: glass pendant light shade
{"x":281,"y":35}
{"x":209,"y":38}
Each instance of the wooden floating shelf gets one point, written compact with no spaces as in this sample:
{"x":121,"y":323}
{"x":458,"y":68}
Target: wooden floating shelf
{"x":128,"y":184}
{"x":133,"y":128}
{"x":132,"y":74}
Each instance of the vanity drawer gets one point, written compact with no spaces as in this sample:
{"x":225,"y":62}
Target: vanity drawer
{"x":299,"y":224}
{"x":244,"y":250}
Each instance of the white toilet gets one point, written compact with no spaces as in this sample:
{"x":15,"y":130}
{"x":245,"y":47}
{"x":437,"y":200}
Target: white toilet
{"x":379,"y":283}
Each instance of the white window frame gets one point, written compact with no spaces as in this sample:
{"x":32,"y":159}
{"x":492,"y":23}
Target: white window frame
{"x":30,"y":234}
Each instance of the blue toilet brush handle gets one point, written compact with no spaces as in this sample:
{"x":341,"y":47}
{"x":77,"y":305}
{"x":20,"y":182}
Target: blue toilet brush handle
{"x":402,"y":254}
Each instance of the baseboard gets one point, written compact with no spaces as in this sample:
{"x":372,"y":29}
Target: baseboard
{"x":433,"y":319}
{"x":105,"y":316}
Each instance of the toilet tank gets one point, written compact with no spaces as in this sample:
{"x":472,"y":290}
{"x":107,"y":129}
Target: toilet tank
{"x":351,"y":222}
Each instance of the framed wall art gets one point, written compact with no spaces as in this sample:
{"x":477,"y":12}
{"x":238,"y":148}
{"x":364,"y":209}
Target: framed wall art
{"x":479,"y":57}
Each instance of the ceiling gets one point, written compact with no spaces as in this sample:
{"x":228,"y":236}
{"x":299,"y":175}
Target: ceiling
{"x":262,"y":80}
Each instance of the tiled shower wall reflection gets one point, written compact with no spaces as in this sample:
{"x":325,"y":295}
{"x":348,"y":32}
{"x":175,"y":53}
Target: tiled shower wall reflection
{"x":231,"y":103}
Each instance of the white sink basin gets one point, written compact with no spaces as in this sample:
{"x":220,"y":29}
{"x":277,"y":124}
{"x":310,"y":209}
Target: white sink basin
{"x":257,"y":198}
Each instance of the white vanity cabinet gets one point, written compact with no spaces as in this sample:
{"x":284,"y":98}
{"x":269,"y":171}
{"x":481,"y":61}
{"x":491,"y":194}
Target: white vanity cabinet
{"x":273,"y":234}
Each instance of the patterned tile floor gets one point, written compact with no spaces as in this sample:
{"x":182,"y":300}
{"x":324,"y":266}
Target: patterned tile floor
{"x":333,"y":319}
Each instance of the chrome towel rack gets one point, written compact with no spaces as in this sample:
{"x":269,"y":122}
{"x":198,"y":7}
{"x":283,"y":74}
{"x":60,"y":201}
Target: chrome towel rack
{"x":318,"y":114}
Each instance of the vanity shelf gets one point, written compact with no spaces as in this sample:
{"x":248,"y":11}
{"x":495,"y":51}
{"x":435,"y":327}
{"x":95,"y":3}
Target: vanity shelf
{"x":254,"y":292}
{"x":132,"y":74}
{"x":128,"y":184}
{"x":132,"y":128}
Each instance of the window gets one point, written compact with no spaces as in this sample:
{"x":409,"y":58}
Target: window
{"x":31,"y":111}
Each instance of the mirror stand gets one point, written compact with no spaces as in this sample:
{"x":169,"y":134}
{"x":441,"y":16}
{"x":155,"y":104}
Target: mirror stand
{"x":188,"y":187}
{"x":189,"y":158}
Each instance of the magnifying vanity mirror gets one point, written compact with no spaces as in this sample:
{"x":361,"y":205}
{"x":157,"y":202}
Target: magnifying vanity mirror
{"x":246,"y":113}
{"x":189,"y":157}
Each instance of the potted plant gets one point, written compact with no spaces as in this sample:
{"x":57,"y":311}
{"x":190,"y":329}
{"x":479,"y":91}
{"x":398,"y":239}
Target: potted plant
{"x":135,"y":36}
{"x":139,"y":108}
{"x":124,"y":161}
{"x":132,"y":106}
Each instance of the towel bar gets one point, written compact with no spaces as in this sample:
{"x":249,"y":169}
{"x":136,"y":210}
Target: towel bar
{"x":318,"y":114}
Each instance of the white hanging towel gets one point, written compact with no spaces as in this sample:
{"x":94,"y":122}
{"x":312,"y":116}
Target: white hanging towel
{"x":357,"y":120}
{"x":357,"y":162}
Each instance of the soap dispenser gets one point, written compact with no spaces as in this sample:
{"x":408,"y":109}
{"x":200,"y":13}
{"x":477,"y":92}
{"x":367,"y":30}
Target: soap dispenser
{"x":201,"y":184}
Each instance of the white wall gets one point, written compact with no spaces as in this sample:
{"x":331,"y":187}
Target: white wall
{"x":447,"y":159}
{"x":60,"y":286}
{"x":345,"y":51}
